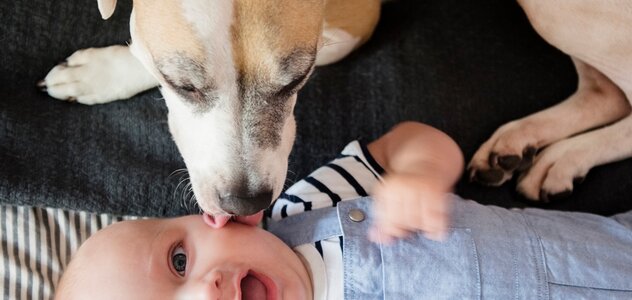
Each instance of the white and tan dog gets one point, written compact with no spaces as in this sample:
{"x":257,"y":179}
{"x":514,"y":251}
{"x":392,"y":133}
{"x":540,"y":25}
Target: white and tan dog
{"x":229,"y":71}
{"x":557,"y":146}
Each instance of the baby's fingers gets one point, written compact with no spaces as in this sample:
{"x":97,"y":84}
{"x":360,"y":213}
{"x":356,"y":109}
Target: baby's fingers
{"x":386,"y":233}
{"x":435,"y":223}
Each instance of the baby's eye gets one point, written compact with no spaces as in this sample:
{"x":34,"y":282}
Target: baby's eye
{"x":179,"y":260}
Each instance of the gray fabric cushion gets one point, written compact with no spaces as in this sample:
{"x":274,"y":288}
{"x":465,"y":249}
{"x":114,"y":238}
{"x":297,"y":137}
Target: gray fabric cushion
{"x":465,"y":67}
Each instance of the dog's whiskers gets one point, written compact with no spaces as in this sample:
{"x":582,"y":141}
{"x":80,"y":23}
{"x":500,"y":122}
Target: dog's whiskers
{"x":189,"y":199}
{"x":184,"y":194}
{"x":185,"y":183}
{"x":184,"y":191}
{"x":178,"y":186}
{"x":193,"y":200}
{"x":178,"y":172}
{"x":187,"y":195}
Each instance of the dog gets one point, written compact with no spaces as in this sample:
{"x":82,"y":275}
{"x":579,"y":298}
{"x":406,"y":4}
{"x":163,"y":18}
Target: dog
{"x":229,"y":71}
{"x":555,"y":148}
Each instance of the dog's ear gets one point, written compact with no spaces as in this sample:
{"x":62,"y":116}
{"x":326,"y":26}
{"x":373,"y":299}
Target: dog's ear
{"x":106,"y":8}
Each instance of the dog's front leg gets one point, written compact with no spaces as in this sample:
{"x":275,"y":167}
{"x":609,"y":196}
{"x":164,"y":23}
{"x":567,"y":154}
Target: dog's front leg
{"x":597,"y":101}
{"x":98,"y":75}
{"x":559,"y":166}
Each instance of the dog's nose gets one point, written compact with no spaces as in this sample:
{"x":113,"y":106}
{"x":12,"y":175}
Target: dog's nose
{"x":245,"y":205}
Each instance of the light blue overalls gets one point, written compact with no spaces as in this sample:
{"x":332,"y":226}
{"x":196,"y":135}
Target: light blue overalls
{"x":490,"y":253}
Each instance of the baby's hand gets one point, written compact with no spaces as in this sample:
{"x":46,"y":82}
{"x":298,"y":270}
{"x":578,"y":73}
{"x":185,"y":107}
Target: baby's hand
{"x":409,"y":203}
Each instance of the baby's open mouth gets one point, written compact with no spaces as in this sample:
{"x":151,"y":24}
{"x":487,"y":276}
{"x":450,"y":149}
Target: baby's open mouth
{"x":255,"y":286}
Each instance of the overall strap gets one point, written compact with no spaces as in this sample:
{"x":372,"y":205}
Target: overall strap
{"x":307,"y":227}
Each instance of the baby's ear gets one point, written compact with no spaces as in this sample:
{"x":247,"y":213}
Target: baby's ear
{"x":106,"y":8}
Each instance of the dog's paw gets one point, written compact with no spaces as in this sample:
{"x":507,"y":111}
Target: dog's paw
{"x":511,"y":148}
{"x":555,"y":171}
{"x":97,"y":75}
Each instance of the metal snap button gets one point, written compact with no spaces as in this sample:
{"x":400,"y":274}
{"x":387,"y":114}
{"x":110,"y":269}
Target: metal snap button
{"x":356,"y":215}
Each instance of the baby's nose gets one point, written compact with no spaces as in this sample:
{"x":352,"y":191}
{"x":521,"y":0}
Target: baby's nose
{"x":209,"y":287}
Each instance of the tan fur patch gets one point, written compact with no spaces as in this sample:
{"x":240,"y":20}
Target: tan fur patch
{"x":267,"y":30}
{"x":163,"y":28}
{"x":357,"y":17}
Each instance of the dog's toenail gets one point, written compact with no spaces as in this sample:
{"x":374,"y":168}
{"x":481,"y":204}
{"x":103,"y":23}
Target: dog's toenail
{"x":493,"y":159}
{"x":41,"y":85}
{"x":472,"y":173}
{"x":509,"y":162}
{"x":71,"y":99}
{"x":544,"y":196}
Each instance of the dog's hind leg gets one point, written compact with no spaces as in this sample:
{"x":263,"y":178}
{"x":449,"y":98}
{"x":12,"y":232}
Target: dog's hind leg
{"x":98,"y":75}
{"x":597,"y":102}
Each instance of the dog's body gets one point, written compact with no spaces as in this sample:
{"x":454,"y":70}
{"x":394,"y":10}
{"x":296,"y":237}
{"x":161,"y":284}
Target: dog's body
{"x":593,"y":126}
{"x":229,"y":71}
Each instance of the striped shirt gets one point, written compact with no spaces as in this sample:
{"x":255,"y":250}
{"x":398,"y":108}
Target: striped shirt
{"x":37,"y":244}
{"x":351,"y":175}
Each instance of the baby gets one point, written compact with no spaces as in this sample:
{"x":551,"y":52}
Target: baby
{"x":323,"y":234}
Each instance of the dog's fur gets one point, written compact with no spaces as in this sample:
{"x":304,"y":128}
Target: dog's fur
{"x":556,"y":147}
{"x":229,"y":71}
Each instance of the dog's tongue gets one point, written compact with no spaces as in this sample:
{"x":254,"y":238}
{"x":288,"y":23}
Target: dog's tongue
{"x":220,"y":221}
{"x":216,"y":221}
{"x":252,"y":289}
{"x":252,"y":220}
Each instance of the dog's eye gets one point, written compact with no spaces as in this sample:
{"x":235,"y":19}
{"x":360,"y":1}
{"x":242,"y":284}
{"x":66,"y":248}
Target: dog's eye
{"x":187,"y":88}
{"x":184,"y":88}
{"x":179,"y":260}
{"x":190,"y":92}
{"x":293,"y":86}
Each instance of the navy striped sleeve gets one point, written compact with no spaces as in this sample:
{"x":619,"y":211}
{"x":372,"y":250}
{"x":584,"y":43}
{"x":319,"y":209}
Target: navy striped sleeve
{"x":319,"y":247}
{"x":324,"y":189}
{"x":349,"y":178}
{"x":369,"y":158}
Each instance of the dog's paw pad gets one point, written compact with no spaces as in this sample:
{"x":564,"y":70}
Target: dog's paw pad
{"x":546,"y":197}
{"x":509,"y":162}
{"x":488,"y":177}
{"x":527,"y":158}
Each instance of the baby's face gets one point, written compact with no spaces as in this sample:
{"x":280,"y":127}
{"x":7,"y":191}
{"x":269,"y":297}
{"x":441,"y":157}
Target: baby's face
{"x":183,"y":258}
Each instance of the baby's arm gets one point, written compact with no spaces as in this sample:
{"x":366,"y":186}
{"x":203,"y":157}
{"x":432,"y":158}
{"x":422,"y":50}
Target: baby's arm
{"x":422,"y":164}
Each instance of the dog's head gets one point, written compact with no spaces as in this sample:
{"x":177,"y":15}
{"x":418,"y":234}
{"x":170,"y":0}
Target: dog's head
{"x":229,"y":71}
